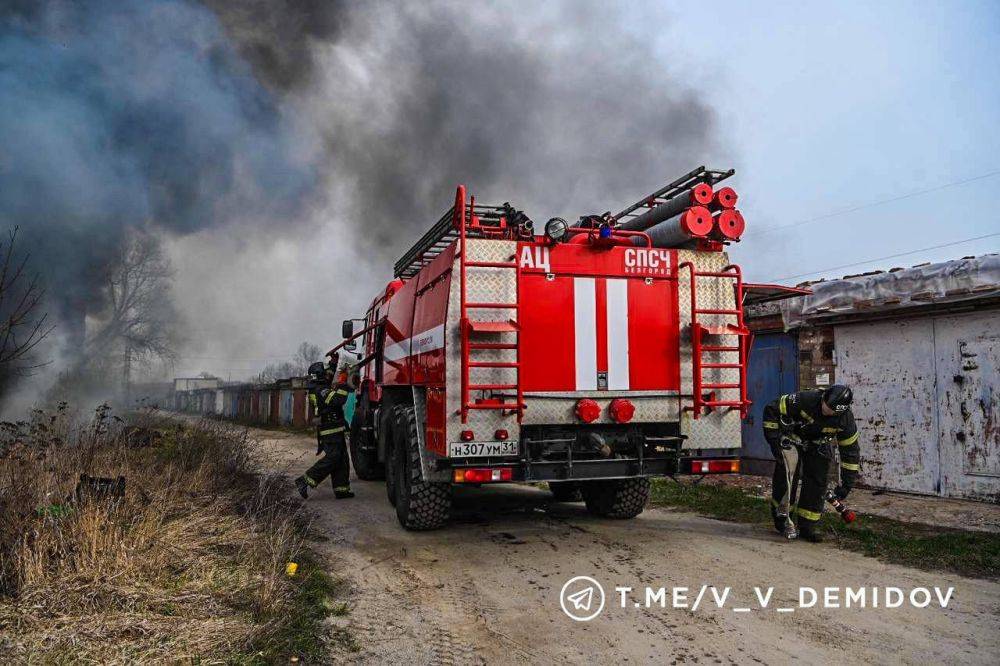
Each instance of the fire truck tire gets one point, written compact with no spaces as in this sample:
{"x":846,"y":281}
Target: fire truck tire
{"x":420,"y":505}
{"x":387,"y":430}
{"x":565,"y":491}
{"x":616,"y":498}
{"x":365,"y":461}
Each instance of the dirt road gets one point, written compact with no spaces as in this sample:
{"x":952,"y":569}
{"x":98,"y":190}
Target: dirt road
{"x":487,"y":588}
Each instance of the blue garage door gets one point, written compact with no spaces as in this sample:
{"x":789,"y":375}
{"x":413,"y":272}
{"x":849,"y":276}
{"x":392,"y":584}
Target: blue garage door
{"x":773,"y":371}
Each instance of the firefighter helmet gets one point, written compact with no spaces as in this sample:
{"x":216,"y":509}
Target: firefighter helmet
{"x":317,"y":370}
{"x":838,"y":397}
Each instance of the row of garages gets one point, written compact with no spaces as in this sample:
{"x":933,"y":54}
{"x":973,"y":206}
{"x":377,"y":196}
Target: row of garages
{"x":248,"y":403}
{"x":921,"y":349}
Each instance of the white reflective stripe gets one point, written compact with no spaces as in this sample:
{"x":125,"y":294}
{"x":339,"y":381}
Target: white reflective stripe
{"x":397,"y":351}
{"x":421,"y":343}
{"x":618,"y":335}
{"x":429,"y":340}
{"x":585,"y":326}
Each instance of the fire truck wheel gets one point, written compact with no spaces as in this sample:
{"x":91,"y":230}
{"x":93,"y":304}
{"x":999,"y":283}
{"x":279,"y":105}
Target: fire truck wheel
{"x":420,"y":505}
{"x":365,"y":460}
{"x":387,"y":430}
{"x":616,"y":498}
{"x":565,"y":491}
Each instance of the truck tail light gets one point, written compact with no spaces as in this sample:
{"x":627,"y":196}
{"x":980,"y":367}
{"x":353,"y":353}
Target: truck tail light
{"x":483,"y":474}
{"x":467,"y":436}
{"x":621,"y":410}
{"x":588,"y":410}
{"x":715,"y":466}
{"x":502,"y":435}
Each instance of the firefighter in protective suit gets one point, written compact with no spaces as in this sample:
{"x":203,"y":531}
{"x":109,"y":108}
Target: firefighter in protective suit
{"x":327,"y":399}
{"x":802,"y":430}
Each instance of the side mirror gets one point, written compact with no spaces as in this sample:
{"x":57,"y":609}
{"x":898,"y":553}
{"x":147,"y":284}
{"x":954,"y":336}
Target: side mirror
{"x":347,"y":329}
{"x":351,"y":346}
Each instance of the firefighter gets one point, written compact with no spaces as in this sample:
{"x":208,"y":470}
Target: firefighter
{"x":327,"y":399}
{"x":801,"y":429}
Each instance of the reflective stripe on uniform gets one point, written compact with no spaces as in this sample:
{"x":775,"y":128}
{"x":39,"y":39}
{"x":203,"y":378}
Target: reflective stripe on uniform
{"x":805,"y":417}
{"x":807,"y":514}
{"x":782,"y":405}
{"x":333,"y":394}
{"x":312,"y":484}
{"x":312,"y":399}
{"x":854,"y":467}
{"x":771,"y":425}
{"x":831,"y":429}
{"x":340,"y":489}
{"x":331,"y":431}
{"x":850,"y":440}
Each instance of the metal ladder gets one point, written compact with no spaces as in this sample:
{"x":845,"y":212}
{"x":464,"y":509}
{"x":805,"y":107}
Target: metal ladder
{"x":699,"y":331}
{"x":472,"y":329}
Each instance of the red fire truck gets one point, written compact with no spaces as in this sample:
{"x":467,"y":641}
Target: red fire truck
{"x":592,"y":356}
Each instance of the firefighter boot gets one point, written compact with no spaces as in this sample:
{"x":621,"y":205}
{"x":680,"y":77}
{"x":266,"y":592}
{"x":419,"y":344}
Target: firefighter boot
{"x":807,"y":530}
{"x":302,"y":486}
{"x":779,"y":520}
{"x":343,"y":492}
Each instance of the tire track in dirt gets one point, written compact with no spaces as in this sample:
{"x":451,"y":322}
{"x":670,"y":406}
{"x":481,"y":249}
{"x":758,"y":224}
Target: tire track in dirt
{"x":485,"y":588}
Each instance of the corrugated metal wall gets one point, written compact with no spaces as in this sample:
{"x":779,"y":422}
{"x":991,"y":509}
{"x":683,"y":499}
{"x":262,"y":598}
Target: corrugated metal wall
{"x":926,"y":401}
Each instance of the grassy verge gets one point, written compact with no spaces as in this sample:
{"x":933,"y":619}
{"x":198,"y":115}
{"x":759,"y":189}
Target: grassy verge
{"x":183,"y":560}
{"x":968,"y":553}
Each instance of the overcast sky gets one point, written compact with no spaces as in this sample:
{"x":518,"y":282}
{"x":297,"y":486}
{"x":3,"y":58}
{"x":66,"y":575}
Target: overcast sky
{"x":829,"y":106}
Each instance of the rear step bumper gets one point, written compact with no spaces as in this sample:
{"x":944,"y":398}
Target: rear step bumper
{"x":614,"y":468}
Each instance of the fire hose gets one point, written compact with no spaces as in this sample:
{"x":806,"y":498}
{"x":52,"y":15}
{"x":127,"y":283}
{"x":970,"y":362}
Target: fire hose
{"x":846,"y":514}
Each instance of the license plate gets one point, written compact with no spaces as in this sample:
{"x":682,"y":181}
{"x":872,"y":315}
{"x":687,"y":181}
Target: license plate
{"x":481,"y":449}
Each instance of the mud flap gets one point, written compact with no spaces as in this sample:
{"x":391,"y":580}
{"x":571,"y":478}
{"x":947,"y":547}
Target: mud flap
{"x":428,"y":459}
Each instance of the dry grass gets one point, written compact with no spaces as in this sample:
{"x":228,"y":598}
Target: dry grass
{"x":187,"y":565}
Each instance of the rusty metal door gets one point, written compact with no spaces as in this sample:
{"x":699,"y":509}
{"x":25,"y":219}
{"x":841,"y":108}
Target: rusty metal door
{"x":772,"y":372}
{"x":891,"y":366}
{"x":968,"y":357}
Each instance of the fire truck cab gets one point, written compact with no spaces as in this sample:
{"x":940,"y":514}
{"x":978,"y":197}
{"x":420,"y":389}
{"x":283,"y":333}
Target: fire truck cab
{"x":586,"y":356}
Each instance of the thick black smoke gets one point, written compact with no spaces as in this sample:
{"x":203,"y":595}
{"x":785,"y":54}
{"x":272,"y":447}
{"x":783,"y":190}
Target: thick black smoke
{"x":556,"y":107}
{"x":211,"y":119}
{"x":120,"y":113}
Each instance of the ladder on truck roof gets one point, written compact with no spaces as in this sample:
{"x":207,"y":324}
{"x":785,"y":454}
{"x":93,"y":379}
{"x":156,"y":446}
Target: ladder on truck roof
{"x":444,"y":232}
{"x":699,"y":333}
{"x":675,"y":188}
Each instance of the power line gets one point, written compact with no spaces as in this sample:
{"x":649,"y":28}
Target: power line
{"x":872,"y":204}
{"x":890,"y":256}
{"x":240,"y":360}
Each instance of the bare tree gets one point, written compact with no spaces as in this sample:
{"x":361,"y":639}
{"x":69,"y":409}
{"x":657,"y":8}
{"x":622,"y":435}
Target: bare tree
{"x":306,"y":355}
{"x":139,"y":325}
{"x":272,"y":372}
{"x":23,"y":324}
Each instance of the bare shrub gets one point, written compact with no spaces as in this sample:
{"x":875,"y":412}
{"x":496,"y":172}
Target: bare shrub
{"x":187,"y":563}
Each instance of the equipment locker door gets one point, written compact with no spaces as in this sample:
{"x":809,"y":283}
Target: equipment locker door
{"x":590,"y":333}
